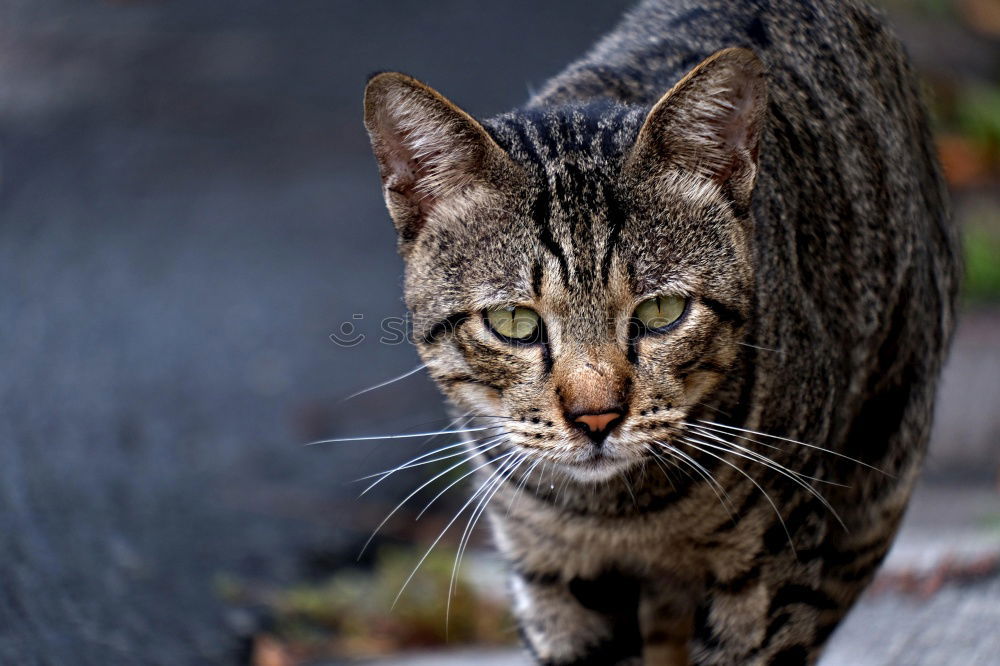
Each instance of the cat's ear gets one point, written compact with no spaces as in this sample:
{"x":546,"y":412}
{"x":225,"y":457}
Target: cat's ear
{"x":709,"y":124}
{"x":429,"y":151}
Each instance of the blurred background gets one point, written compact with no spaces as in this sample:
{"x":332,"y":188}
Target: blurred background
{"x":188,"y":212}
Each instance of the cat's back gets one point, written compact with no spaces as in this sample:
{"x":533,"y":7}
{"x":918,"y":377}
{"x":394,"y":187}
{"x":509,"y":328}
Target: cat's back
{"x":815,"y":42}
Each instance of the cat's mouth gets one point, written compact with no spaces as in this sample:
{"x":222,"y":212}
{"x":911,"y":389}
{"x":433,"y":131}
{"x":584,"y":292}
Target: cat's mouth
{"x":597,"y":463}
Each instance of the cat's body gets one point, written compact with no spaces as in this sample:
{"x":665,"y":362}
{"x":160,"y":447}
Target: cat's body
{"x":816,"y":309}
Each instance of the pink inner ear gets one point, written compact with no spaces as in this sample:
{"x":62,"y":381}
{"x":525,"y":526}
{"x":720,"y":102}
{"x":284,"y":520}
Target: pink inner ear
{"x":404,"y":171}
{"x":709,"y":123}
{"x":728,"y":138}
{"x":734,"y":131}
{"x":737,"y":129}
{"x":429,"y":151}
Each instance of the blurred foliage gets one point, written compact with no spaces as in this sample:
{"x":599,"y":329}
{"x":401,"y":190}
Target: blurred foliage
{"x":352,"y":614}
{"x":978,"y":115}
{"x":982,"y":260}
{"x":968,"y":121}
{"x":991,"y":522}
{"x":966,"y":112}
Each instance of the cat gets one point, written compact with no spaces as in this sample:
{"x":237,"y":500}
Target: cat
{"x":696,"y":293}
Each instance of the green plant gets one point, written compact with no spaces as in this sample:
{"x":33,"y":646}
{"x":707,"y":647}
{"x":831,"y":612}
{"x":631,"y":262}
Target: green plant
{"x":352,"y":613}
{"x":977,"y":112}
{"x":982,"y":264}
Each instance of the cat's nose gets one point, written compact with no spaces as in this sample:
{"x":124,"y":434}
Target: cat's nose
{"x":596,"y":426}
{"x":598,"y":422}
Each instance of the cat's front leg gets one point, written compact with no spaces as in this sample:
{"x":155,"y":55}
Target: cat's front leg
{"x":778,"y":614}
{"x":666,"y":618}
{"x":583,"y":622}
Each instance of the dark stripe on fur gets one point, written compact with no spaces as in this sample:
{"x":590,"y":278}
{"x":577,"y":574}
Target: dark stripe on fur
{"x":446,"y":326}
{"x":724,"y":312}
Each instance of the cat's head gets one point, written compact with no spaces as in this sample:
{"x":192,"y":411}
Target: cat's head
{"x":583,"y":275}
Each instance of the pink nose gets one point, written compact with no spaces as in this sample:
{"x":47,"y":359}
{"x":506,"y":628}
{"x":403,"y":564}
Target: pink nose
{"x":597,"y":422}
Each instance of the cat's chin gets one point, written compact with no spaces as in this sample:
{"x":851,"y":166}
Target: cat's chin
{"x":598,"y":468}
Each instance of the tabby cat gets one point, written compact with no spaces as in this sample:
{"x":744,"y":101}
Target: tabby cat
{"x":696,"y":293}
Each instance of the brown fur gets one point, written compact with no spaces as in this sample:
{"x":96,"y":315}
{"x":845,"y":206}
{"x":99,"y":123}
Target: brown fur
{"x":786,"y":188}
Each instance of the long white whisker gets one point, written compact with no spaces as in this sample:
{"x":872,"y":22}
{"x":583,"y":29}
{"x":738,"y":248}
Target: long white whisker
{"x":386,"y":382}
{"x":451,"y":424}
{"x":422,"y":456}
{"x":421,"y":487}
{"x":777,"y":513}
{"x":441,"y":535}
{"x":673,"y":464}
{"x":415,"y":462}
{"x":410,"y":435}
{"x":794,"y":441}
{"x":714,"y":409}
{"x":769,"y":349}
{"x":660,"y":461}
{"x":701,"y":431}
{"x":629,"y":488}
{"x":706,"y":429}
{"x":716,"y":487}
{"x":521,"y":485}
{"x":459,"y":480}
{"x":705,"y":473}
{"x":418,"y":462}
{"x":562,"y":487}
{"x":500,"y":479}
{"x":753,"y":456}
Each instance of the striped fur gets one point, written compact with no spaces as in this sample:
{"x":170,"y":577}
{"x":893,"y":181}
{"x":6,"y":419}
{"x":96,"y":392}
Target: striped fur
{"x":770,"y":161}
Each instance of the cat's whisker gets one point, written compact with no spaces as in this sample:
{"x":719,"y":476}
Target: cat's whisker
{"x":715,"y":436}
{"x":642,"y":474}
{"x":521,"y":484}
{"x":411,"y":435}
{"x":770,"y":501}
{"x":451,"y":522}
{"x":495,"y":481}
{"x":466,"y":445}
{"x":387,"y":382}
{"x":796,"y":477}
{"x":457,"y":481}
{"x":562,"y":487}
{"x":705,"y":429}
{"x":714,"y":409}
{"x":716,"y":487}
{"x":659,"y":460}
{"x":422,"y":458}
{"x":794,"y":441}
{"x":470,"y":527}
{"x":451,"y":424}
{"x":767,"y":349}
{"x":668,"y":460}
{"x":421,"y":487}
{"x":628,"y":487}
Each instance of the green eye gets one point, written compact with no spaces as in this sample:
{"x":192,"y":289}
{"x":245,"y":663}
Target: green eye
{"x":518,"y":324}
{"x":659,"y":312}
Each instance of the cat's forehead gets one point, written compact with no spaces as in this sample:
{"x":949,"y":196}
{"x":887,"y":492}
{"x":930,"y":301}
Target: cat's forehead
{"x":567,"y":141}
{"x":573,"y":232}
{"x":572,"y":156}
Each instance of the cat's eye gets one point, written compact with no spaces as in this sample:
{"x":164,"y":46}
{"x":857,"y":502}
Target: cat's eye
{"x":514,"y":324}
{"x":660,"y":312}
